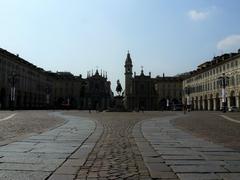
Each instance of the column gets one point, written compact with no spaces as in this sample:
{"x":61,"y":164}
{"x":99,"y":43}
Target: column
{"x":195,"y":104}
{"x":209,"y":105}
{"x":199,"y":104}
{"x":214,"y":104}
{"x":221,"y":103}
{"x":203,"y":104}
{"x":237,"y":101}
{"x":228,"y":102}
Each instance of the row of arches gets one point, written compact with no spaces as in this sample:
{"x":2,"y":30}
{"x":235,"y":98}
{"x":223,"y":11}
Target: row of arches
{"x":214,"y":101}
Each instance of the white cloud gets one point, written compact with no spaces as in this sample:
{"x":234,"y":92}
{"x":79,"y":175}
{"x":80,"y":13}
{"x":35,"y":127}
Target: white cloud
{"x":198,"y":15}
{"x":229,"y":43}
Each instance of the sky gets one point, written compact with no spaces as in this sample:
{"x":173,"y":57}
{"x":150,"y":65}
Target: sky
{"x":163,"y":36}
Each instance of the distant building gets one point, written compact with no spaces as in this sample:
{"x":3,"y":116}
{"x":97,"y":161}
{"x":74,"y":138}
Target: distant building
{"x":25,"y":86}
{"x":97,"y":91}
{"x":203,"y":89}
{"x":169,"y":91}
{"x":143,"y":91}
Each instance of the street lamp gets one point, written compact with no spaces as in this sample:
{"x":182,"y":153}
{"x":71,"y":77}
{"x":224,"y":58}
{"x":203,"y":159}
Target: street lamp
{"x":12,"y":81}
{"x":188,"y":91}
{"x":223,"y":80}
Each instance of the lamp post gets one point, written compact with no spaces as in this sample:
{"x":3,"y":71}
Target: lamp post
{"x":223,"y":80}
{"x":12,"y":81}
{"x":188,"y":91}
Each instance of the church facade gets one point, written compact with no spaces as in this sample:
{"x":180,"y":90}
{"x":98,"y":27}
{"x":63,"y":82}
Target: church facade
{"x":144,"y":92}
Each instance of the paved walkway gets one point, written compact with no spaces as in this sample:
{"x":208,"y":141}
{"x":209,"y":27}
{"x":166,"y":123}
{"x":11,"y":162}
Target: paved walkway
{"x":45,"y":155}
{"x":176,"y":154}
{"x":117,"y":147}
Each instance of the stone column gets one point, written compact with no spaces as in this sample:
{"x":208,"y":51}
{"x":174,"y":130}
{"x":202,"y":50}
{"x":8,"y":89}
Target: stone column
{"x":237,"y":101}
{"x":220,"y":103}
{"x":209,"y":105}
{"x":199,"y":105}
{"x":195,"y":104}
{"x":228,"y":102}
{"x":203,"y":104}
{"x":214,"y":104}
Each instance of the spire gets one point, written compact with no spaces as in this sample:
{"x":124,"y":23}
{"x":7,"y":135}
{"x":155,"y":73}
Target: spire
{"x":97,"y":73}
{"x":128,"y":59}
{"x":142,"y":73}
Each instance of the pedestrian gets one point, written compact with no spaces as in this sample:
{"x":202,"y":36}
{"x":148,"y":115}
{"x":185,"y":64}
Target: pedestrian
{"x":184,"y":109}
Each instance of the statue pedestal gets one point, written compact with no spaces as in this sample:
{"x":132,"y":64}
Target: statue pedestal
{"x":118,"y":105}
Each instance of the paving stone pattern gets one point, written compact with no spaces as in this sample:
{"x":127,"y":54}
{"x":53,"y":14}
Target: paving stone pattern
{"x":40,"y":156}
{"x":189,"y":157}
{"x":116,"y":155}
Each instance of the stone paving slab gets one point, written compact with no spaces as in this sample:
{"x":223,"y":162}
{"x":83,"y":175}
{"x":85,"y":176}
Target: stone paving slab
{"x":229,"y":176}
{"x":39,"y":156}
{"x":23,"y":175}
{"x":198,"y":176}
{"x":187,"y":157}
{"x":70,"y":168}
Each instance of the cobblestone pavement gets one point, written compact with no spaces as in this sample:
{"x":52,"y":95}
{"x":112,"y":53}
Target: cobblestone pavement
{"x":115,"y":155}
{"x":189,"y":157}
{"x":119,"y":146}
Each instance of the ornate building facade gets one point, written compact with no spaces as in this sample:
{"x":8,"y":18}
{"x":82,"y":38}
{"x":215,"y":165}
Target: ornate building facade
{"x":25,"y":86}
{"x":214,"y":83}
{"x":143,"y":91}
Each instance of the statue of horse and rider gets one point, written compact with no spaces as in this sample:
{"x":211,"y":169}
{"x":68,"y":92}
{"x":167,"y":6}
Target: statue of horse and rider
{"x":119,"y":88}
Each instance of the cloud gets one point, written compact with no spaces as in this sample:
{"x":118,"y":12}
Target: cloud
{"x":198,"y":15}
{"x":229,"y":43}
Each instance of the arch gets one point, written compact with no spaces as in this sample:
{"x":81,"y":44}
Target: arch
{"x":197,"y":108}
{"x":162,"y":103}
{"x":3,"y":98}
{"x":59,"y":102}
{"x":217,"y":102}
{"x":211,"y":102}
{"x":19,"y":100}
{"x":201,"y":103}
{"x":175,"y":101}
{"x":73,"y":102}
{"x":205,"y":102}
{"x":192,"y":104}
{"x":232,"y":98}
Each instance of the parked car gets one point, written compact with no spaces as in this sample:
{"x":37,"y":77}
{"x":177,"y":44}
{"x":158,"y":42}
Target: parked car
{"x":233,"y":109}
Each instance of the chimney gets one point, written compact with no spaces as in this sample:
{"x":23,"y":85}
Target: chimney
{"x":150,"y":74}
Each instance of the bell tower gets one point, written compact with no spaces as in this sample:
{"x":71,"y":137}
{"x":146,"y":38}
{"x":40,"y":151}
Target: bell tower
{"x":128,"y":78}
